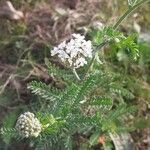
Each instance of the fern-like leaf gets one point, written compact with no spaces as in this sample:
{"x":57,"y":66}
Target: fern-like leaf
{"x":43,"y":90}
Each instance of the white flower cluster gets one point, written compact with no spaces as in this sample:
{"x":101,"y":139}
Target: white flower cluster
{"x":28,"y":125}
{"x":73,"y":52}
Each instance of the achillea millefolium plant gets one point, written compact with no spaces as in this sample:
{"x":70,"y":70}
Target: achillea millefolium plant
{"x":91,"y":102}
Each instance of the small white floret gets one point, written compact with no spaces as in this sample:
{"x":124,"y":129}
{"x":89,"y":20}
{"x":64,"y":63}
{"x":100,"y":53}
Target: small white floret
{"x":74,"y":53}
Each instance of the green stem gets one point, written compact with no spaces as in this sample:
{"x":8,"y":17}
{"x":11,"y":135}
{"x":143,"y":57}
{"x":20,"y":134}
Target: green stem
{"x":116,"y":25}
{"x":128,"y":12}
{"x":94,"y":56}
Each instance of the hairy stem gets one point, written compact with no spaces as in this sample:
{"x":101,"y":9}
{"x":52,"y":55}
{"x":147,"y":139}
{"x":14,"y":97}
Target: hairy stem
{"x":128,"y":12}
{"x":116,"y":25}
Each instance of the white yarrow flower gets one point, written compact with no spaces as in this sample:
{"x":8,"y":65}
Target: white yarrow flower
{"x":28,"y":125}
{"x":74,"y":52}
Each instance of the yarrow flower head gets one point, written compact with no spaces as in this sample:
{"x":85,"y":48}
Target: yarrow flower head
{"x":28,"y":125}
{"x":73,"y":53}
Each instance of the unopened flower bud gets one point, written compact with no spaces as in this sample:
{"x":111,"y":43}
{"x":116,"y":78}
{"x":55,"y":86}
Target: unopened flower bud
{"x":28,"y":125}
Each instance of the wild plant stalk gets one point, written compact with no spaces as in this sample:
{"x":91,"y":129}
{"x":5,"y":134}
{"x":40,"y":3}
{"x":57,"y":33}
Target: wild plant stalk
{"x":128,"y":12}
{"x":76,"y":74}
{"x":115,"y":26}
